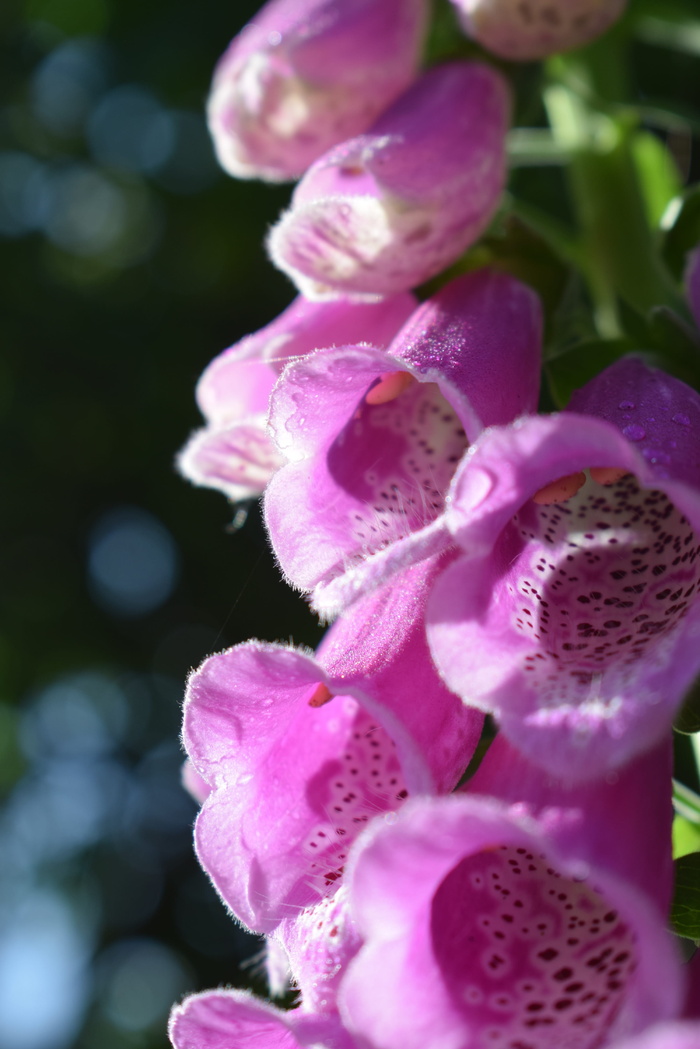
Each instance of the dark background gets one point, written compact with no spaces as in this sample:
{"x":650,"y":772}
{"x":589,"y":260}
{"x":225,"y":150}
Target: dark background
{"x":128,"y":261}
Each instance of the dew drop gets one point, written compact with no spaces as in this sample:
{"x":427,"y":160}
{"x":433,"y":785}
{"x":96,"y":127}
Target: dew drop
{"x":626,"y":406}
{"x":681,"y":419}
{"x":634,"y":432}
{"x":654,"y":456}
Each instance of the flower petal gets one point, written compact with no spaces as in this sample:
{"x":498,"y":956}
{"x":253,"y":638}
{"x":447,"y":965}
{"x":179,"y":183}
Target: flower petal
{"x":385,"y":212}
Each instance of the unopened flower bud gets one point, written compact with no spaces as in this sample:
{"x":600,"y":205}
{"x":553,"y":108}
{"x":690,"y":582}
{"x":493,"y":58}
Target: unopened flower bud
{"x":528,"y":29}
{"x":306,"y":74}
{"x":386,"y":211}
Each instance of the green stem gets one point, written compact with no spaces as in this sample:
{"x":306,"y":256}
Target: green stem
{"x":686,"y":802}
{"x":621,"y":255}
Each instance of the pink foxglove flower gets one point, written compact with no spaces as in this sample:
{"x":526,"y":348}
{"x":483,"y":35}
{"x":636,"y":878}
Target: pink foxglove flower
{"x":320,"y":942}
{"x":529,"y":29}
{"x":374,"y":437}
{"x":234,"y":453}
{"x":306,"y":74}
{"x":386,"y":211}
{"x":237,"y":1020}
{"x":516,"y":914}
{"x":296,"y":775}
{"x":574,"y":616}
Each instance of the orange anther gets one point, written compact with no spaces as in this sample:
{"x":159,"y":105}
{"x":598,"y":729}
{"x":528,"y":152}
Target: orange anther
{"x":320,"y":695}
{"x":608,"y":474}
{"x":390,"y":385}
{"x":561,"y":490}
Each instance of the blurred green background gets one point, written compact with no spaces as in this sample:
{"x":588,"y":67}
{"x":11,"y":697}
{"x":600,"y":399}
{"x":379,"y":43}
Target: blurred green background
{"x":128,"y":261}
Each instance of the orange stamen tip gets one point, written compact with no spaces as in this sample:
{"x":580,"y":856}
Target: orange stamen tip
{"x":389,"y":387}
{"x":320,"y":695}
{"x":561,"y":490}
{"x":608,"y":474}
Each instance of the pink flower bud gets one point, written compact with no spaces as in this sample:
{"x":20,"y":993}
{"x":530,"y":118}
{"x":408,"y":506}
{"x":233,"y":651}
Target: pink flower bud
{"x":233,"y":453}
{"x":386,"y":211}
{"x":306,"y":74}
{"x":529,"y":29}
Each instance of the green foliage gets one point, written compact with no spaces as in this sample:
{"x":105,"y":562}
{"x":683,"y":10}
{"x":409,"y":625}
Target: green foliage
{"x":683,"y":233}
{"x":685,"y":910}
{"x":574,"y":368}
{"x":658,"y":175}
{"x":686,"y":837}
{"x":688,"y":720}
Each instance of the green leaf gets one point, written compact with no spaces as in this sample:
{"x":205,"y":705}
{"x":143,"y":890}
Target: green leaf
{"x":671,"y":25}
{"x":665,"y":338}
{"x":683,"y":233}
{"x":658,"y":175}
{"x":513,"y":246}
{"x":573,"y":369}
{"x":673,"y":335}
{"x":571,"y":323}
{"x":686,"y":802}
{"x":685,"y":910}
{"x":445,"y":39}
{"x":688,"y":719}
{"x":676,"y":343}
{"x":686,"y":837}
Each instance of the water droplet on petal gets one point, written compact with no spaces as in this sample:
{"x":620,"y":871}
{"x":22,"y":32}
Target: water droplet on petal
{"x":655,"y":456}
{"x":681,"y":419}
{"x":626,"y":406}
{"x":633,"y":432}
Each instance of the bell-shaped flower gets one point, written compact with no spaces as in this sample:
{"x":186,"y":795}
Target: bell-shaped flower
{"x":387,"y":210}
{"x":233,"y":453}
{"x":574,"y":616}
{"x":519,"y":914}
{"x":536,"y":28}
{"x":236,"y":1020}
{"x":295,"y":774}
{"x":373,"y":437}
{"x":306,"y":74}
